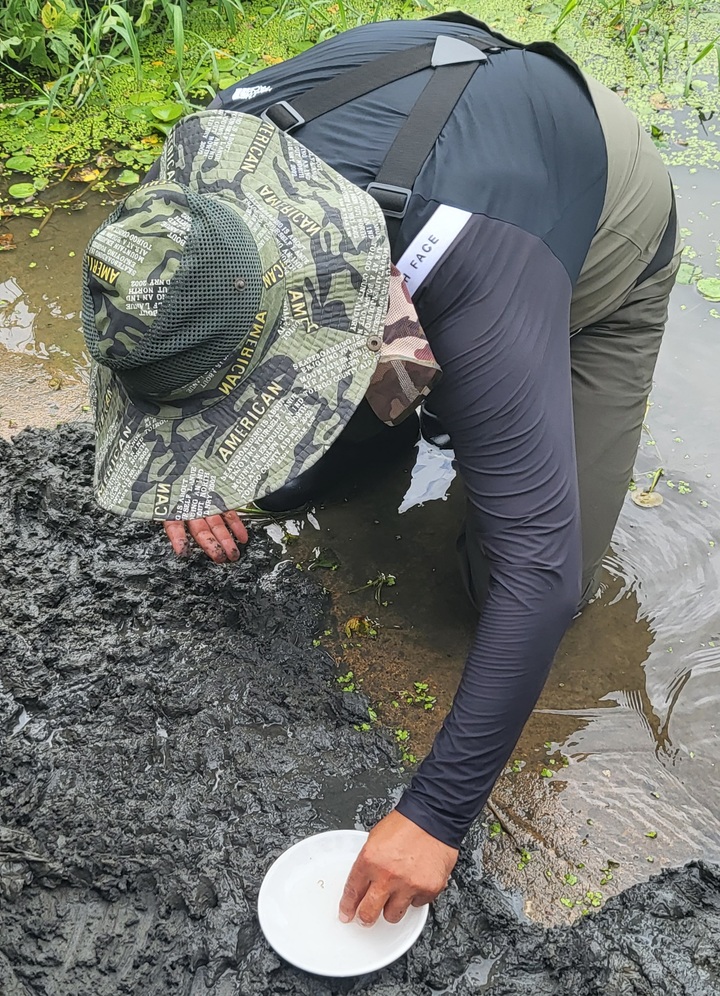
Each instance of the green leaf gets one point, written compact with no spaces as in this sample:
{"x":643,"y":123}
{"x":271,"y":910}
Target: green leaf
{"x":570,"y":879}
{"x":570,"y":903}
{"x":164,"y":129}
{"x":652,"y":834}
{"x":125,"y":156}
{"x":127,"y":177}
{"x":22,"y":190}
{"x":144,"y":97}
{"x":686,"y":273}
{"x":133,"y":113}
{"x":546,"y":773}
{"x":709,"y":287}
{"x":23,"y":164}
{"x":135,"y":157}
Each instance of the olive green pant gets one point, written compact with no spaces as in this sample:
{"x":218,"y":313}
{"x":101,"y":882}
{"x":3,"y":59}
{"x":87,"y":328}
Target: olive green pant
{"x":612,"y":369}
{"x":617,"y":321}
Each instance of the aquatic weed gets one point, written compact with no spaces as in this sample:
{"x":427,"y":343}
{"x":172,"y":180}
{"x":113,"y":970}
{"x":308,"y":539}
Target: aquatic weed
{"x":380,"y":581}
{"x":420,"y":696}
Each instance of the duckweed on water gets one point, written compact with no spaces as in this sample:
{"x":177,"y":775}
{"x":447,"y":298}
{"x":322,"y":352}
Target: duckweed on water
{"x":634,"y":48}
{"x":709,"y":287}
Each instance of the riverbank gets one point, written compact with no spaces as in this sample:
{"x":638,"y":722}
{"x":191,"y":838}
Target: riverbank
{"x":110,"y":114}
{"x":632,"y":693}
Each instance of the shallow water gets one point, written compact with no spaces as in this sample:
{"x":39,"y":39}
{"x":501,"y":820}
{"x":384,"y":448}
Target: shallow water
{"x":633,"y":700}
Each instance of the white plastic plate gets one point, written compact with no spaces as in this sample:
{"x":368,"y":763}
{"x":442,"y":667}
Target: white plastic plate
{"x":298,"y":911}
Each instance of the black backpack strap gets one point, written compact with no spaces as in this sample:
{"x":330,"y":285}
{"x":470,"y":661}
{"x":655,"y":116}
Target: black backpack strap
{"x":351,"y":84}
{"x":455,"y":62}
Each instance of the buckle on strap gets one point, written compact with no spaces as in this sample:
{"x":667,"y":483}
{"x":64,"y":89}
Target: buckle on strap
{"x":283,"y":115}
{"x":393,"y":200}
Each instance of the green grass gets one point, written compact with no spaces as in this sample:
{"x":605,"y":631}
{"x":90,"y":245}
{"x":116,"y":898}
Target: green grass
{"x":662,"y":36}
{"x":76,"y":79}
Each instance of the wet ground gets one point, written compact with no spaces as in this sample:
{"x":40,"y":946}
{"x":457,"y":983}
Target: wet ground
{"x":170,"y":728}
{"x":626,"y":726}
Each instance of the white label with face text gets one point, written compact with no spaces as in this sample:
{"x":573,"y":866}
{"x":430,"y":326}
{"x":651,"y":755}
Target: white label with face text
{"x":430,"y":244}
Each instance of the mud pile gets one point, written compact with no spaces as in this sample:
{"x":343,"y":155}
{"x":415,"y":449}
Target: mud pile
{"x":168,"y":728}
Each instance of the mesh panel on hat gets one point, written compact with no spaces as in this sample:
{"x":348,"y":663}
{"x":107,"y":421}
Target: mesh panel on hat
{"x":204,"y":316}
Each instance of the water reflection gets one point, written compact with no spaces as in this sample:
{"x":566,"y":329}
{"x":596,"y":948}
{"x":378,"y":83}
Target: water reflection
{"x":17,"y":321}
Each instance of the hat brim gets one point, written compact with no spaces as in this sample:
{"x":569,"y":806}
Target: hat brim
{"x":273,"y":415}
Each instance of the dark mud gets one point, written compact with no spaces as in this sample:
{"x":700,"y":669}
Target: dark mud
{"x":168,"y":729}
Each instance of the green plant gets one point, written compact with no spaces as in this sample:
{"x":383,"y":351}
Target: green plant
{"x":380,"y":581}
{"x":525,"y":859}
{"x":657,"y":33}
{"x":420,"y":696}
{"x":44,"y":35}
{"x":347,"y":681}
{"x":324,"y":18}
{"x":402,"y":738}
{"x":74,"y":45}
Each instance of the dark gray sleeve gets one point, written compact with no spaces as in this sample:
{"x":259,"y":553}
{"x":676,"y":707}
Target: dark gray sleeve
{"x":497,"y":316}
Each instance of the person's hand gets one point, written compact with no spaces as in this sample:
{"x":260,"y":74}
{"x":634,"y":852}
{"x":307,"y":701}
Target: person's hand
{"x":400,"y":866}
{"x":217,"y":535}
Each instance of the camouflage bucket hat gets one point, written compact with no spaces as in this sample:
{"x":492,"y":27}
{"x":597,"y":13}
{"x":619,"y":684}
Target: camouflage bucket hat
{"x":234,"y":309}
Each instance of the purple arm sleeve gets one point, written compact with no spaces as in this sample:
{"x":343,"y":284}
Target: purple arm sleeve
{"x":497,"y":316}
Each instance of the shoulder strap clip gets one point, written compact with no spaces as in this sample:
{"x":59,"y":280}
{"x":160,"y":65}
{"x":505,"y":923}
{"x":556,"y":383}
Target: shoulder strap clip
{"x":392,"y":200}
{"x":283,"y":115}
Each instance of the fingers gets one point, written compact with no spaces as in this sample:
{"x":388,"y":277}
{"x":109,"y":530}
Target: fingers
{"x":236,"y":526}
{"x":364,"y":899}
{"x":354,"y":892}
{"x":223,"y":536}
{"x":205,"y":538}
{"x":371,"y":905}
{"x":423,"y":898}
{"x":397,"y":906}
{"x":175,"y":532}
{"x":217,"y":535}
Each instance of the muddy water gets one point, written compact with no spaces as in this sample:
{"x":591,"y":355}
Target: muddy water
{"x":631,"y":707}
{"x":43,"y":364}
